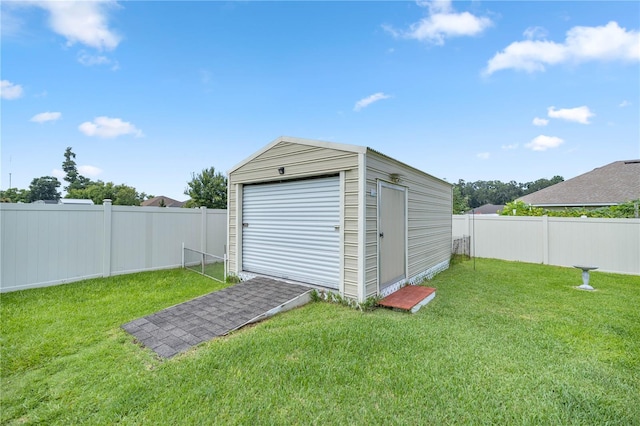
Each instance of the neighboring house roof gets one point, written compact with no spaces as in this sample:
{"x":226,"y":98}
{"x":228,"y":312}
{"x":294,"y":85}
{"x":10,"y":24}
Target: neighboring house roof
{"x":85,"y":202}
{"x":156,"y":201}
{"x":45,"y":202}
{"x":487,"y":209}
{"x":608,"y":185}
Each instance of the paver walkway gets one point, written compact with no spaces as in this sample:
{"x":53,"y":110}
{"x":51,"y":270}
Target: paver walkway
{"x":178,"y":328}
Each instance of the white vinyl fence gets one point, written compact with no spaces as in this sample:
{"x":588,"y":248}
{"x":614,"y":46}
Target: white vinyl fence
{"x":611,"y":244}
{"x":43,"y":245}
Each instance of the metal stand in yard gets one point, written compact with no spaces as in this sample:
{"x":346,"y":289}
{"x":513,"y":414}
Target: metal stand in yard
{"x":585,"y":276}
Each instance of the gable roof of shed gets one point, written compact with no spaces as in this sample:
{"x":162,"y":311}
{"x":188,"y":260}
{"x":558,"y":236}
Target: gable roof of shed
{"x":615,"y":183}
{"x":357,"y":149}
{"x":300,"y":141}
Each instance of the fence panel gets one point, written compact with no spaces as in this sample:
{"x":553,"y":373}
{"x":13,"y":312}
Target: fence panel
{"x":611,"y":244}
{"x":49,"y":244}
{"x":216,"y":233}
{"x":151,"y":237}
{"x":45,"y":245}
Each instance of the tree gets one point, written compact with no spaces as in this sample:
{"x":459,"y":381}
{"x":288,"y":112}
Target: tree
{"x":460,"y":202}
{"x":208,"y":189}
{"x":44,"y":188}
{"x":120,"y":195}
{"x":75,"y":179}
{"x":15,"y":195}
{"x":539,"y":184}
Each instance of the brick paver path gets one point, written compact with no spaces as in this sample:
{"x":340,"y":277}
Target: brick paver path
{"x":176,"y":329}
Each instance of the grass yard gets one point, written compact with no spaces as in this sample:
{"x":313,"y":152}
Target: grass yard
{"x":509,"y":343}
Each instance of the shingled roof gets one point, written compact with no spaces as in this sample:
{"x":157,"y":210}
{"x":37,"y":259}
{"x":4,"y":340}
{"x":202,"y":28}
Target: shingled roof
{"x":608,"y":185}
{"x":156,"y":201}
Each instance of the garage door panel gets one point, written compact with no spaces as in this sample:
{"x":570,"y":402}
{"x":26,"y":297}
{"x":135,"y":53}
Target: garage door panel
{"x":290,"y":230}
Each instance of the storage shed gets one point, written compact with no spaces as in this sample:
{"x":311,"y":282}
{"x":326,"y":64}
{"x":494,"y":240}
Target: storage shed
{"x":343,"y":217}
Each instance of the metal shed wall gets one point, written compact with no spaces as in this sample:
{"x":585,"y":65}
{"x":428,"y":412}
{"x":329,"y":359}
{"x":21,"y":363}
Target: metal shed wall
{"x":300,"y":160}
{"x":429,"y":217}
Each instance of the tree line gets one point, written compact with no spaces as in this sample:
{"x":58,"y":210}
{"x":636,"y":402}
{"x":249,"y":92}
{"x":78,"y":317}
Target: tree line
{"x":208,"y":188}
{"x":470,"y":195}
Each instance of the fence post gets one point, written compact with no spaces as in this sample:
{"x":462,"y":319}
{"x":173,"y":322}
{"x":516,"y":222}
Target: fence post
{"x":545,"y":239}
{"x":203,"y":230}
{"x":106,"y":251}
{"x":467,"y":227}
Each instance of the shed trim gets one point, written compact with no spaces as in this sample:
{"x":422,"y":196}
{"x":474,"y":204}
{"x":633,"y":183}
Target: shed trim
{"x":362,"y":221}
{"x":238,"y":242}
{"x":342,"y":206}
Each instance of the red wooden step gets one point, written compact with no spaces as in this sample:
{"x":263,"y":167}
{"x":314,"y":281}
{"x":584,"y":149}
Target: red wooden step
{"x":409,"y":298}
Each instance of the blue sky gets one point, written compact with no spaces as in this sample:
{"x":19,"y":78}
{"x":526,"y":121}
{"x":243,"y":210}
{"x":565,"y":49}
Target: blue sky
{"x":148,"y":92}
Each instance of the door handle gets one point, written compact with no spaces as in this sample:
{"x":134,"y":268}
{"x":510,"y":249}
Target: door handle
{"x":382,"y":235}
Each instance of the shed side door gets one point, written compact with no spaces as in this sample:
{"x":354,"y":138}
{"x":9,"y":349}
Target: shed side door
{"x":392,"y":234}
{"x":291,"y":230}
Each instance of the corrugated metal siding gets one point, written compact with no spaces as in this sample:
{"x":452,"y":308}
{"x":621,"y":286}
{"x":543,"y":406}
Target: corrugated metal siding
{"x":429,"y":217}
{"x":351,"y":234}
{"x":291,"y":230}
{"x":314,"y":161}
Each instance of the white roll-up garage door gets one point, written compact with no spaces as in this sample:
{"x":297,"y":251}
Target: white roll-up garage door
{"x":291,"y":230}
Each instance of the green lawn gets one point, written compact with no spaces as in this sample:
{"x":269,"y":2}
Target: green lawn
{"x":509,"y":343}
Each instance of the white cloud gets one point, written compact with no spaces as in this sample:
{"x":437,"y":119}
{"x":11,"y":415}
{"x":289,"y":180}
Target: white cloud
{"x":88,"y":59}
{"x":90,"y":171}
{"x":542,"y":143}
{"x":365,"y":102}
{"x":441,"y":23}
{"x":533,"y":33}
{"x":436,"y":6}
{"x":46,"y":116}
{"x":511,"y":146}
{"x":537,"y":121}
{"x":624,"y":103}
{"x":582,"y":44}
{"x":106,"y":127}
{"x":85,"y":22}
{"x":9,"y":90}
{"x":579,"y":114}
{"x":483,"y":155}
